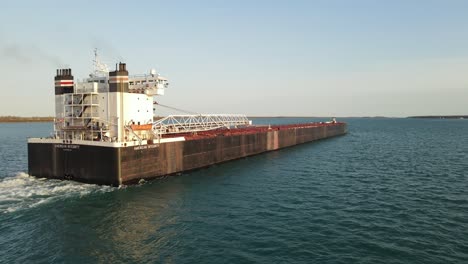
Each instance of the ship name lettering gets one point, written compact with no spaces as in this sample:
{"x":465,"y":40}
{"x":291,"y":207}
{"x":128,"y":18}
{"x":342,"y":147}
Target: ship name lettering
{"x":65,"y":146}
{"x":140,"y":147}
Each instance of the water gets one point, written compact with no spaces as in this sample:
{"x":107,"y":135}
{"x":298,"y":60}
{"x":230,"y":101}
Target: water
{"x":391,"y":191}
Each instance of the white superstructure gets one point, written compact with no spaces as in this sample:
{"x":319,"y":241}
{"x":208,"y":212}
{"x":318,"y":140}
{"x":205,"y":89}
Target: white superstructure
{"x":115,"y":107}
{"x":107,"y":106}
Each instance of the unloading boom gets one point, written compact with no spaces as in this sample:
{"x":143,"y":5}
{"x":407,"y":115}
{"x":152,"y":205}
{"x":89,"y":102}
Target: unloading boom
{"x":202,"y":122}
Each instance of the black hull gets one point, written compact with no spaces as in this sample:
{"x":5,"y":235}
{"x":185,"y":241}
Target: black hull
{"x":90,"y":164}
{"x":126,"y":165}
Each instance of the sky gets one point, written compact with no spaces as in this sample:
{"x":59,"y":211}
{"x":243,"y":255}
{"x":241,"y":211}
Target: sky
{"x":260,"y":58}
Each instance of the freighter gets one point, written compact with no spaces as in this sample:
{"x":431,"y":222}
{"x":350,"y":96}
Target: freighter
{"x":105,"y":132}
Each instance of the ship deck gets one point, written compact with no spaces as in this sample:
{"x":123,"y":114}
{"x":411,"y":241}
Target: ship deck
{"x":246,"y":130}
{"x":167,"y":138}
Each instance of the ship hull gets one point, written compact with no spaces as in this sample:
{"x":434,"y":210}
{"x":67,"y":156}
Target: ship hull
{"x":126,"y":165}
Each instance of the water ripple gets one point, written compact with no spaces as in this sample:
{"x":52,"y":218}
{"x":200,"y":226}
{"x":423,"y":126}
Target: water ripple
{"x":23,"y":191}
{"x":391,"y":191}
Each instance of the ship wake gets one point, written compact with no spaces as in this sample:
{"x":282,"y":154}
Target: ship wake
{"x":22,"y":191}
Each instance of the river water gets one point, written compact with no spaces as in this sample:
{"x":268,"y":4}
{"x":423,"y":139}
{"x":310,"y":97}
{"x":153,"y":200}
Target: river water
{"x":390,"y":191}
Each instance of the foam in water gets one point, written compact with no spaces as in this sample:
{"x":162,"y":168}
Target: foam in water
{"x":23,"y":191}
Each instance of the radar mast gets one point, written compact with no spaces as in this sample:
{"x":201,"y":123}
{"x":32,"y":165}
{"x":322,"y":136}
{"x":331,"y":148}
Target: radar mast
{"x":99,"y":68}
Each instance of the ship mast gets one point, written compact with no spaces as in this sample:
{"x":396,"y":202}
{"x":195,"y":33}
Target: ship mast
{"x":99,"y":68}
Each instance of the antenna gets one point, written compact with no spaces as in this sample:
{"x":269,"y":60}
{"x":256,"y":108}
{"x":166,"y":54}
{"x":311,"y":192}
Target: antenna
{"x":99,"y":68}
{"x":95,"y":60}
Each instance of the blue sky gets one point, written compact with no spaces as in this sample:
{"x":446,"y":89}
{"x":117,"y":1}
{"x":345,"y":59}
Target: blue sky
{"x":307,"y":58}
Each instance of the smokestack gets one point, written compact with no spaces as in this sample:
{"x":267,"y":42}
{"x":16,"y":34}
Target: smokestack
{"x":118,"y":79}
{"x":63,"y":82}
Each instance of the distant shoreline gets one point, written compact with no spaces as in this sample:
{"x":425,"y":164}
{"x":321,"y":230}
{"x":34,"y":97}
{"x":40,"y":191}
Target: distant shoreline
{"x":37,"y":119}
{"x":441,"y":117}
{"x":17,"y":119}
